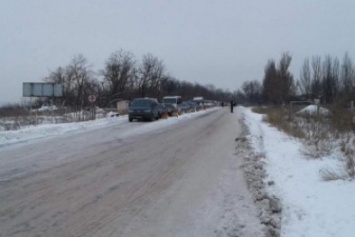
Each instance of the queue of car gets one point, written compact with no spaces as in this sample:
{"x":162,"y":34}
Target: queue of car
{"x":150,"y":109}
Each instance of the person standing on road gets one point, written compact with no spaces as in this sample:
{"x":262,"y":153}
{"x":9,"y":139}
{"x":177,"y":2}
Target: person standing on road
{"x":232,"y":105}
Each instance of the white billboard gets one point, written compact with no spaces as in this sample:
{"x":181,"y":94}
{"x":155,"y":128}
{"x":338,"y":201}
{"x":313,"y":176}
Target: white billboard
{"x":42,"y":89}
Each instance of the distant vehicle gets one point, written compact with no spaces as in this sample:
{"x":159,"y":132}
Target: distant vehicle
{"x":144,"y":109}
{"x":172,"y":101}
{"x":164,"y":109}
{"x":167,"y":108}
{"x":188,"y":106}
{"x":200,"y":101}
{"x":197,"y":98}
{"x":196,"y":104}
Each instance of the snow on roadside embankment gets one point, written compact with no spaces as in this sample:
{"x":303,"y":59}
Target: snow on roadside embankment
{"x":47,"y":130}
{"x":310,"y":206}
{"x":30,"y":133}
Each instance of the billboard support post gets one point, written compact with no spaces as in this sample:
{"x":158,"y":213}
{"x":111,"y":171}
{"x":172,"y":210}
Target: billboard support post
{"x":31,"y":109}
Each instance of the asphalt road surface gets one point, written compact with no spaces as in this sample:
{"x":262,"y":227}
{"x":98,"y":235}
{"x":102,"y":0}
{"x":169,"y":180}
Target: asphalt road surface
{"x":180,"y":180}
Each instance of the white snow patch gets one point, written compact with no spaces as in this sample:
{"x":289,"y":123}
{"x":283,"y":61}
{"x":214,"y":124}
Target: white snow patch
{"x":112,"y":114}
{"x":311,"y":207}
{"x":47,"y":108}
{"x":312,"y":110}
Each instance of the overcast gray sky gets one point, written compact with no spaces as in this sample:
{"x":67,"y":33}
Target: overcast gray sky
{"x":220,"y":42}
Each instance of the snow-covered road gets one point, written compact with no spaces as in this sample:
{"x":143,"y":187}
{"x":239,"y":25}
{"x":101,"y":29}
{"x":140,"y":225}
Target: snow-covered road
{"x":130,"y":179}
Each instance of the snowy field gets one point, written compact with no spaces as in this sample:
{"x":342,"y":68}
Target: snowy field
{"x":311,"y":207}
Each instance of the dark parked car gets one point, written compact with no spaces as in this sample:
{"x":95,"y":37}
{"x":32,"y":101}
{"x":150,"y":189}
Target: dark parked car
{"x":186,"y":106}
{"x":195,"y":105}
{"x":144,"y":109}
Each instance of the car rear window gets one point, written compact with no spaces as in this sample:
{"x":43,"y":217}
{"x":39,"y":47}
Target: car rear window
{"x":169,"y":101}
{"x":141,"y":103}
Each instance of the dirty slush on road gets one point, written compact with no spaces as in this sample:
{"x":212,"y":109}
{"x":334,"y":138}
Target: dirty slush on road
{"x":268,"y":206}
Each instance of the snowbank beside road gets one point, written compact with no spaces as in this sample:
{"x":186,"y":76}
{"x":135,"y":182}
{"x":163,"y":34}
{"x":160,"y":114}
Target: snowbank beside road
{"x":310,"y":206}
{"x":48,"y":130}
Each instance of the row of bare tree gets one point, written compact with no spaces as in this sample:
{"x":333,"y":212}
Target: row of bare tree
{"x":328,"y":79}
{"x":320,"y":78}
{"x":123,"y":78}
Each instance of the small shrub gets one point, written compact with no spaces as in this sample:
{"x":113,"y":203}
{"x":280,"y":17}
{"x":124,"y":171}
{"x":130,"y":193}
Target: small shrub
{"x":260,"y":109}
{"x":275,"y":117}
{"x":279,"y":117}
{"x":342,"y":119}
{"x":350,"y":166}
{"x":12,"y":111}
{"x":328,"y":175}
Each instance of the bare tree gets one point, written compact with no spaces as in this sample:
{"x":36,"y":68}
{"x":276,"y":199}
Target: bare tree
{"x":185,"y":89}
{"x":77,"y":79}
{"x":239,"y":96}
{"x":305,"y":78}
{"x":270,"y":92}
{"x":119,"y":74}
{"x":252,"y":91}
{"x":330,"y":72}
{"x":79,"y":76}
{"x":170,"y":86}
{"x":278,"y":83}
{"x":59,"y":76}
{"x":336,"y":77}
{"x":316,"y":77}
{"x":151,"y":72}
{"x":347,"y":75}
{"x":285,"y":77}
{"x":327,"y":79}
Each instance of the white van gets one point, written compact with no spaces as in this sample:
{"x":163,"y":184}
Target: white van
{"x":173,"y":101}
